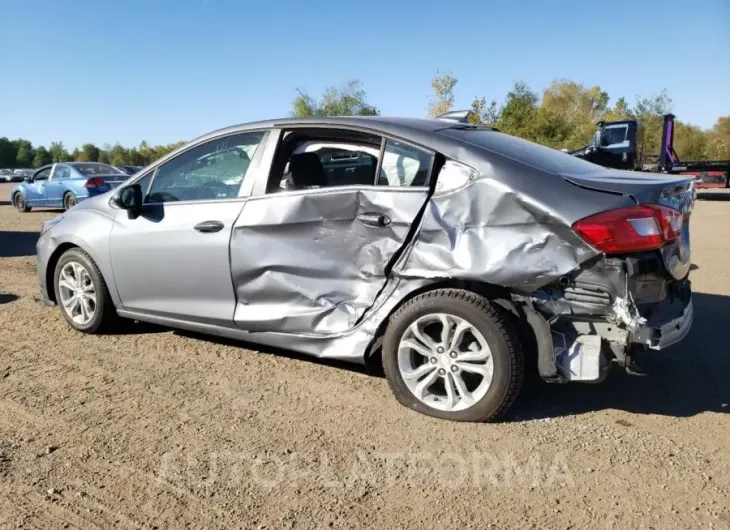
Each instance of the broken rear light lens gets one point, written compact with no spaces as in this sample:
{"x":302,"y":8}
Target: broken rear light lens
{"x":643,"y":227}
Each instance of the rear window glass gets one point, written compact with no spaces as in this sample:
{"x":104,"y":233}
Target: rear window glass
{"x":529,"y":153}
{"x":91,"y":169}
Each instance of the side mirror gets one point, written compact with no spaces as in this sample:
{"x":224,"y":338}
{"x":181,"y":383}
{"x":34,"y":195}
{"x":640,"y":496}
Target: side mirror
{"x":26,"y":178}
{"x":130,"y":199}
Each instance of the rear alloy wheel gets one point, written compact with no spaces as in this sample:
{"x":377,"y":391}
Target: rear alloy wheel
{"x":20,"y":204}
{"x":82,"y":293}
{"x":69,"y":201}
{"x":449,"y":354}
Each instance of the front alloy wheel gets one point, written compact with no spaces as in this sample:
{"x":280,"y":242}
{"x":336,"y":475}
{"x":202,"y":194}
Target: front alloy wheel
{"x":77,"y":293}
{"x":20,"y":203}
{"x":82,"y":293}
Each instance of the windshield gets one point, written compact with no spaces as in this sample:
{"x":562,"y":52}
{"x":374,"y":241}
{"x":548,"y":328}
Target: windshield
{"x":532,"y":154}
{"x":613,"y":135}
{"x":96,"y":168}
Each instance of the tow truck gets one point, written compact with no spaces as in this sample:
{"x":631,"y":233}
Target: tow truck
{"x":619,"y":145}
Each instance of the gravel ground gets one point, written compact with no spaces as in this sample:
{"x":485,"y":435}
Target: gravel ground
{"x":157,"y":428}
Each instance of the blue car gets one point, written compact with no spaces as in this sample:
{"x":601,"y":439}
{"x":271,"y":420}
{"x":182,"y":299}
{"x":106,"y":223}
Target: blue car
{"x":65,"y":184}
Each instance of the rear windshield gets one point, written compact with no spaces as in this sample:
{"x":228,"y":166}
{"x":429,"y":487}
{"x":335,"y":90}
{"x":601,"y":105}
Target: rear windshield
{"x":529,"y":153}
{"x":96,"y":169}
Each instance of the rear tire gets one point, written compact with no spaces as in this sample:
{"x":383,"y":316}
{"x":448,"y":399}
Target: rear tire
{"x":69,"y":201}
{"x":82,"y":294}
{"x":480,"y":344}
{"x":20,"y":204}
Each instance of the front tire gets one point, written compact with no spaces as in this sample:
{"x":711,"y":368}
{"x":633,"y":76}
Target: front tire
{"x":82,"y":294}
{"x":69,"y":201}
{"x":20,"y":204}
{"x":447,"y":353}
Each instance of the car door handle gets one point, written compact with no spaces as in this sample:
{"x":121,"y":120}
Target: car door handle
{"x":209,"y":226}
{"x":374,"y":219}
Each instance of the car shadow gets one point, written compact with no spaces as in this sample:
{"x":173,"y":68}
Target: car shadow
{"x":280,"y":352}
{"x":684,"y":380}
{"x":7,"y":298}
{"x":709,"y":196}
{"x":5,"y":203}
{"x":16,"y":244}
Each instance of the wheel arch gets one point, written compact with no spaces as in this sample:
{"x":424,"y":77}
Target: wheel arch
{"x":488,"y":290}
{"x":531,"y":328}
{"x":15,"y":193}
{"x":53,"y":261}
{"x":51,"y":268}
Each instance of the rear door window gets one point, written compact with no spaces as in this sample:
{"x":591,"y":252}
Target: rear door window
{"x":404,"y":165}
{"x":61,"y":173}
{"x":347,"y":158}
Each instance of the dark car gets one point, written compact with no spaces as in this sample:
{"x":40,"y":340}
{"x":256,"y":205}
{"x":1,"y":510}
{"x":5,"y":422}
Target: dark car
{"x":461,"y":256}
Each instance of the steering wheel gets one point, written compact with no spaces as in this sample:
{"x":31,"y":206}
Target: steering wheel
{"x":212,"y":190}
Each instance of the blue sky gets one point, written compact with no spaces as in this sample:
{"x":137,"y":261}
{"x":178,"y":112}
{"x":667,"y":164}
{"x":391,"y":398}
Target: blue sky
{"x":108,"y":71}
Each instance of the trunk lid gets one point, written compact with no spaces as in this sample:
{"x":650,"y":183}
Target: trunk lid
{"x":112,"y":180}
{"x":674,"y":191}
{"x":644,"y":188}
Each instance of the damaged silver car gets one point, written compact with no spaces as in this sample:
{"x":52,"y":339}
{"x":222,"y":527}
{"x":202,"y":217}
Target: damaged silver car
{"x":459,"y":255}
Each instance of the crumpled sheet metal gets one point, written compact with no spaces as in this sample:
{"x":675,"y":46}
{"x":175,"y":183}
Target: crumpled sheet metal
{"x":352,"y":345}
{"x":297,"y":289}
{"x":304,"y":263}
{"x":490,"y":233}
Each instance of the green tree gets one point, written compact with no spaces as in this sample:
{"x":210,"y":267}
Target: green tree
{"x":118,"y":155}
{"x":8,"y":153}
{"x":104,"y":154}
{"x":59,"y":153}
{"x":620,"y":111}
{"x":519,"y":111}
{"x":719,"y":139}
{"x":483,"y":112}
{"x":24,"y":153}
{"x":650,"y":111}
{"x":87,"y":153}
{"x":690,"y":142}
{"x":42,"y":157}
{"x":568,"y":113}
{"x":443,"y":94}
{"x":349,"y":100}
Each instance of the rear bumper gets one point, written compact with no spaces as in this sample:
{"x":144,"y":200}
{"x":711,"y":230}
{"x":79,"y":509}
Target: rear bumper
{"x":674,"y":331}
{"x":667,"y":322}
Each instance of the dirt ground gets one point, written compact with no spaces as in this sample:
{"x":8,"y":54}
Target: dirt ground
{"x":161,"y":429}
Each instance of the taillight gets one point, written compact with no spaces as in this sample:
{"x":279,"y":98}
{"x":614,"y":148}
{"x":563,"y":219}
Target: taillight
{"x":644,"y":227}
{"x":94,"y":182}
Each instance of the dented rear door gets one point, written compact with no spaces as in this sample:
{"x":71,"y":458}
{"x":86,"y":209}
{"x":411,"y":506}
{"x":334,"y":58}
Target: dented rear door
{"x":313,"y":261}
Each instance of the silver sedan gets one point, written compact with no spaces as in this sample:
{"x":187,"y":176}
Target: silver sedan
{"x":449,"y":251}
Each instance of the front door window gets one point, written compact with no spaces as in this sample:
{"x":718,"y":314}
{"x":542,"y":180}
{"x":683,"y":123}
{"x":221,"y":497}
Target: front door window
{"x":211,"y":171}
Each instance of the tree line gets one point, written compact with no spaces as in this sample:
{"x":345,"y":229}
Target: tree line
{"x":22,"y":153}
{"x":561,"y":116}
{"x":564,"y":115}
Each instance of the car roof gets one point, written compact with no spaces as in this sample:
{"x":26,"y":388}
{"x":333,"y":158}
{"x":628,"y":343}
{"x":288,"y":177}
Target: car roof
{"x":376,"y":122}
{"x":418,"y":130}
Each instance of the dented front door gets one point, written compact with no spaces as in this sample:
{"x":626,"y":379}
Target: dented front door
{"x":313,"y":261}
